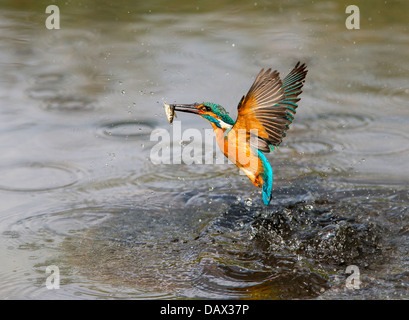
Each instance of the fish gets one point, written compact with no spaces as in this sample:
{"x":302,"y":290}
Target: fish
{"x":170,"y":111}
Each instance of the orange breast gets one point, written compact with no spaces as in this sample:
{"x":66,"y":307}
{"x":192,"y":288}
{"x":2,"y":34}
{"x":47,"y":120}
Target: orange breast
{"x":238,"y":150}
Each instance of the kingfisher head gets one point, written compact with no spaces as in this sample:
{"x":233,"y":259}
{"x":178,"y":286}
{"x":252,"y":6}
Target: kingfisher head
{"x":212,"y":112}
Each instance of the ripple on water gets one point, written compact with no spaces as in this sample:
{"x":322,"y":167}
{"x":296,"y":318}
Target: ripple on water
{"x":191,"y":253}
{"x":43,"y":92}
{"x":54,"y":99}
{"x":184,"y":178}
{"x":38,"y":176}
{"x":223,"y":249}
{"x":57,"y":91}
{"x":375,"y":143}
{"x":395,"y":95}
{"x":38,"y":239}
{"x":336,"y":125}
{"x":49,"y":227}
{"x":310,"y":147}
{"x":51,"y":78}
{"x":46,"y":86}
{"x":125,"y":130}
{"x":279,"y":278}
{"x":332,"y":122}
{"x":69,"y":104}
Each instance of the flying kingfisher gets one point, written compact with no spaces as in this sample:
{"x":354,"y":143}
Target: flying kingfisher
{"x":264,"y":116}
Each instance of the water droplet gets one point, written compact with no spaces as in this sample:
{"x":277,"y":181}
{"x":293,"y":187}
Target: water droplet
{"x":308,"y":207}
{"x":123,"y":91}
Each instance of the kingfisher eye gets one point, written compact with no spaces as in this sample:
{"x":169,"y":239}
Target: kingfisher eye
{"x":208,"y":108}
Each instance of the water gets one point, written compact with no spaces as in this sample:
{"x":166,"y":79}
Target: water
{"x":78,"y":189}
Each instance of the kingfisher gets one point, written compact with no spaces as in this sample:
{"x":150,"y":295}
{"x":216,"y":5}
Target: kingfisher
{"x":264,"y":116}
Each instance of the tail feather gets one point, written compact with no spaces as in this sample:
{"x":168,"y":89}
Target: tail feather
{"x":267,"y":175}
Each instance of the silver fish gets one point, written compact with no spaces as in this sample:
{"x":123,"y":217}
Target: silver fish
{"x":170,"y":111}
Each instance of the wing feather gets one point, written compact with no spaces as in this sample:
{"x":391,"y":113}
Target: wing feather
{"x":270,"y":106}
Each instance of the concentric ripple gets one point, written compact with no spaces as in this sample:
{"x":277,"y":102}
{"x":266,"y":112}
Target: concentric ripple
{"x":69,"y":103}
{"x":183,"y":177}
{"x":382,"y":143}
{"x":128,"y":130}
{"x":38,"y":239}
{"x":332,"y":122}
{"x":50,"y":78}
{"x":310,"y":147}
{"x":29,"y":177}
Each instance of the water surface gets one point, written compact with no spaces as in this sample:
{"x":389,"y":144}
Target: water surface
{"x":79,"y":191}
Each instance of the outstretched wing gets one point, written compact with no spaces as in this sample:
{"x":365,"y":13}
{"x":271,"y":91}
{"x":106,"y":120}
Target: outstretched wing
{"x":269,"y":106}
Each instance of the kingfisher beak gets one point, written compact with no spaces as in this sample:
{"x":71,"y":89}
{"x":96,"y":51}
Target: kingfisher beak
{"x":189,"y":108}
